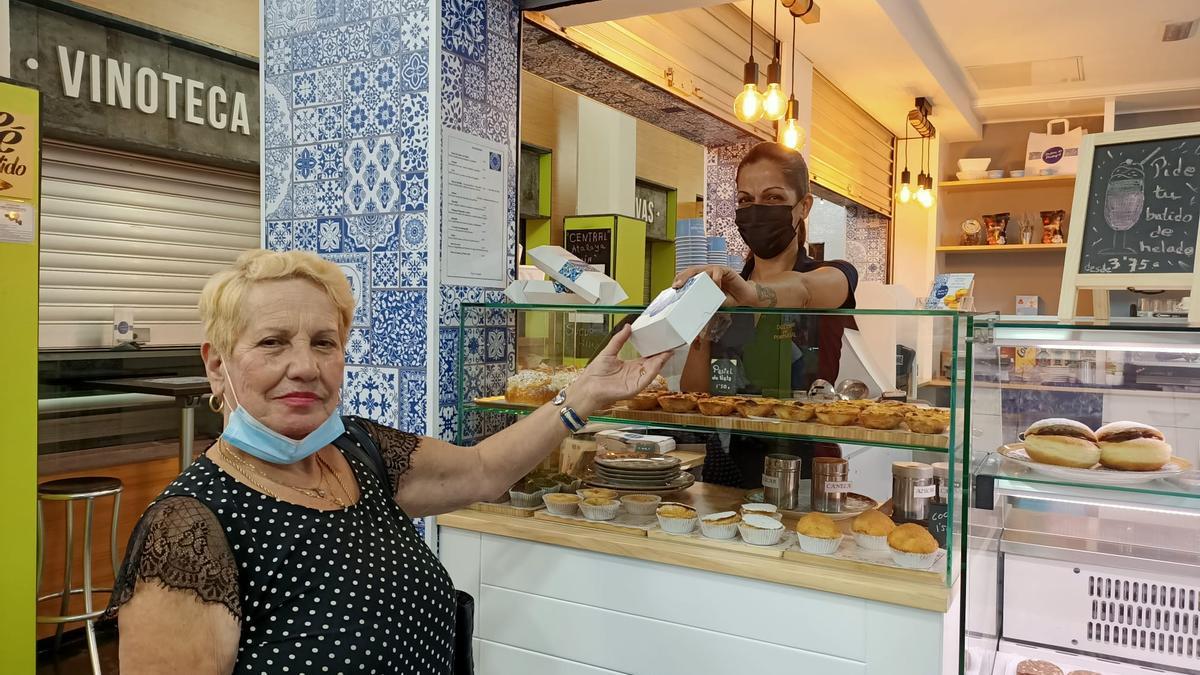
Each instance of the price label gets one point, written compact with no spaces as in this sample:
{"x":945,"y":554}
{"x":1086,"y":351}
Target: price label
{"x":925,"y":491}
{"x":837,"y":486}
{"x":943,"y":492}
{"x":770,"y":481}
{"x":723,"y":377}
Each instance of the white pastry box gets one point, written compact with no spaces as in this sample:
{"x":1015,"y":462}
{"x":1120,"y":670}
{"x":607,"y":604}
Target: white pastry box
{"x":676,"y":316}
{"x":541,"y":292}
{"x":626,"y":441}
{"x":578,"y":276}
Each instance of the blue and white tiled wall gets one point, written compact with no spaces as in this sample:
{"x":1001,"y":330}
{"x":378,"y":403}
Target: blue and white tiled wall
{"x":355,"y":94}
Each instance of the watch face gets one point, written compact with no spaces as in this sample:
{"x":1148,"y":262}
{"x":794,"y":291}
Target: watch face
{"x":971,"y":226}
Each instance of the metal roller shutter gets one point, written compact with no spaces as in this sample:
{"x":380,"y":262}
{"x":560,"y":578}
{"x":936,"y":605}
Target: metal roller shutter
{"x":851,"y":153}
{"x":124,"y":230}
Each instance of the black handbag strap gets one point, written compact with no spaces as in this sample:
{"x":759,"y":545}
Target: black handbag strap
{"x":364,"y":449}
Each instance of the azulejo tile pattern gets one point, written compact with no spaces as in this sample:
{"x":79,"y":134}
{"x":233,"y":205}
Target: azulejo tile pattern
{"x":347,"y":174}
{"x":720,"y":200}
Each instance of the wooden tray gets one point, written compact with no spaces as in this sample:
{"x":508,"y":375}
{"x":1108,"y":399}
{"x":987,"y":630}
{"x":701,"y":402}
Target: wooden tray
{"x":697,"y":538}
{"x":623,"y":523}
{"x":778,"y":426}
{"x":849,"y":555}
{"x":506,"y":509}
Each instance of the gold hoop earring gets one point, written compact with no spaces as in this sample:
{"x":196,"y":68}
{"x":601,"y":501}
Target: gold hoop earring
{"x":220,"y":403}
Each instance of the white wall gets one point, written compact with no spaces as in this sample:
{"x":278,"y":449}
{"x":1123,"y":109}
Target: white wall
{"x":607,"y":159}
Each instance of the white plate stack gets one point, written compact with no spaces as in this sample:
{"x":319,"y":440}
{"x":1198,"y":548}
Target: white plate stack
{"x":691,"y":246}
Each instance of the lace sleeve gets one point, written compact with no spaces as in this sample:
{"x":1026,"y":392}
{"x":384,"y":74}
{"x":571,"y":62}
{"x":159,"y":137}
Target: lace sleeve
{"x":397,"y":448}
{"x":180,"y":544}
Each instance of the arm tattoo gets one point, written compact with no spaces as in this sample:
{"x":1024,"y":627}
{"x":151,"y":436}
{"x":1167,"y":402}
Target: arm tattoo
{"x":766,"y":295}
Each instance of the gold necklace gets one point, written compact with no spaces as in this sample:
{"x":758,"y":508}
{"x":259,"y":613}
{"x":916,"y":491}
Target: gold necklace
{"x":247,"y":469}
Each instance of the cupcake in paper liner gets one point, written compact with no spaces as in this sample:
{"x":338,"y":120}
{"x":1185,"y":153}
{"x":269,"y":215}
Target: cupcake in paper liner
{"x":723,"y":525}
{"x":599,"y":508}
{"x":818,"y":545}
{"x":562,"y":504}
{"x":641,"y":505}
{"x":912,"y":546}
{"x":677,"y":518}
{"x":760,"y":530}
{"x":871,"y":530}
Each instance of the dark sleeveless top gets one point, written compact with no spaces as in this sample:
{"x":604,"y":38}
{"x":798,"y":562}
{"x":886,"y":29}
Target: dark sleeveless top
{"x":351,"y":590}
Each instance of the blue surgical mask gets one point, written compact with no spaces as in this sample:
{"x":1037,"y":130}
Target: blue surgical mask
{"x":253,"y":437}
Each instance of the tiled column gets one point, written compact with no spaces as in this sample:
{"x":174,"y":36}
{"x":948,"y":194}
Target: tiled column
{"x":356,"y":94}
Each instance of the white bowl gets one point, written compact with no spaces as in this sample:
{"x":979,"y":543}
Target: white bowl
{"x":974,"y":163}
{"x":996,"y":173}
{"x":971,"y":175}
{"x":1016,"y":173}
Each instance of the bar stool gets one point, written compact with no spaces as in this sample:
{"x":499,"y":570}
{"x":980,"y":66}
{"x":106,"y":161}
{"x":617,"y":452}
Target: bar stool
{"x":71,"y":490}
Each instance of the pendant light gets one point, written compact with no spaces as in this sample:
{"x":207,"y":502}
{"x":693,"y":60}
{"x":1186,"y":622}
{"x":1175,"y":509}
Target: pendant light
{"x":924,"y":181}
{"x":774,"y":102}
{"x":748,"y":106}
{"x":792,"y":134}
{"x":905,"y":194}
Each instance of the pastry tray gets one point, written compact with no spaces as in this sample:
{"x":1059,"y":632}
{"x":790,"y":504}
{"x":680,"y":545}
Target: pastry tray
{"x":624,"y":523}
{"x":866,"y":560}
{"x":505,"y":508}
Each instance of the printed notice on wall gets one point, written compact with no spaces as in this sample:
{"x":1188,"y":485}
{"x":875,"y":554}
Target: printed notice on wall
{"x":474,"y":211}
{"x":17,"y":221}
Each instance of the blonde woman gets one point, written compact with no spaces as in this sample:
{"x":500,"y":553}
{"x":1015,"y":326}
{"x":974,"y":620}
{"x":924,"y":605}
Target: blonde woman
{"x":281,"y":550}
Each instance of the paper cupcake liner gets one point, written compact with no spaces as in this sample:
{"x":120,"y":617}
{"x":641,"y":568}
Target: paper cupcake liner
{"x":635,"y":508}
{"x":817,"y":545}
{"x":724,"y":531}
{"x":760,"y":537}
{"x":871,"y":543}
{"x":916,"y":561}
{"x":526,"y":500}
{"x":567,"y":509}
{"x":593,"y":512}
{"x":677,"y":525}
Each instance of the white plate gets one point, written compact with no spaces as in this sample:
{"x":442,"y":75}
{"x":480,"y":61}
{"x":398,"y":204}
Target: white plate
{"x":684,"y":481}
{"x":649,"y":463}
{"x":1098,"y":475}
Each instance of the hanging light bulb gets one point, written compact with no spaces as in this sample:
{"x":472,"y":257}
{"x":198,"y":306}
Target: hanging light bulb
{"x":905,"y":194}
{"x":774,"y":101}
{"x":748,"y":106}
{"x":928,"y":202}
{"x":922,"y":194}
{"x":792,"y":135}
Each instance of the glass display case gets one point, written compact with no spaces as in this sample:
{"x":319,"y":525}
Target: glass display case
{"x":1084,"y":551}
{"x":776,"y":401}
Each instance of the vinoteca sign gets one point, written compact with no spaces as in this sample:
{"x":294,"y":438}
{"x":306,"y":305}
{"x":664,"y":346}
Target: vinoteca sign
{"x":117,"y":83}
{"x":109,"y":83}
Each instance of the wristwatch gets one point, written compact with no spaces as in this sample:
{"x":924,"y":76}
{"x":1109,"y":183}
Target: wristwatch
{"x":573,"y":421}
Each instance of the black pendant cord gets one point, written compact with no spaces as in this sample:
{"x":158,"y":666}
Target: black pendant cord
{"x":775,"y":27}
{"x":751,"y":30}
{"x":793,"y":56}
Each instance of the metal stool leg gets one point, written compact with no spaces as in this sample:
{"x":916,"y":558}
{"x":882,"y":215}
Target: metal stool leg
{"x":113,"y":545}
{"x":66,"y":598}
{"x":89,"y":625}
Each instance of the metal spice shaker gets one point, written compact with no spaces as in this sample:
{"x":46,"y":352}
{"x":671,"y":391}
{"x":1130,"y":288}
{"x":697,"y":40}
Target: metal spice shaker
{"x":781,"y":480}
{"x":939,"y":515}
{"x":912,"y":489}
{"x":830,"y":482}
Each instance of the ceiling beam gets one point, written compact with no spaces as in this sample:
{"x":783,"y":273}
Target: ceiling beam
{"x":579,"y":14}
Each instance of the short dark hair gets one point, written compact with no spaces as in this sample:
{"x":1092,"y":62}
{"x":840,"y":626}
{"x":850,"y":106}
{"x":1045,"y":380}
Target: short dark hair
{"x":789,"y":161}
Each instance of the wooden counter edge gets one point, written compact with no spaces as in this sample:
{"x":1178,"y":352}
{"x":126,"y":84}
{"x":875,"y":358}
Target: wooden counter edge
{"x":933,"y":597}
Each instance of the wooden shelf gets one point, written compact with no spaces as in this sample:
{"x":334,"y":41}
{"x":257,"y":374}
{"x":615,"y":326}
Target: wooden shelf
{"x":1026,"y":181}
{"x":1008,"y":248}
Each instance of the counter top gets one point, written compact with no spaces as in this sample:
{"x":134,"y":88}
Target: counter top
{"x":849,"y":579}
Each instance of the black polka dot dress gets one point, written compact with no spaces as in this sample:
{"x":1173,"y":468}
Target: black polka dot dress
{"x":349,"y":591}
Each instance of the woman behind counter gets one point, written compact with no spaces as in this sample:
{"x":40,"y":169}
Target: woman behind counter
{"x":774,"y":352}
{"x":282,"y":549}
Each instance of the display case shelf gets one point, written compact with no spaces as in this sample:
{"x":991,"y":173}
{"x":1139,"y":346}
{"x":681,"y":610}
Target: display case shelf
{"x":899,"y":439}
{"x":1006,"y":248}
{"x":998,"y":475}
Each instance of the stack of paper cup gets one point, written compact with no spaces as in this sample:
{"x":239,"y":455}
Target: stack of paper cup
{"x":718,"y":251}
{"x":691,"y":246}
{"x":736,"y":262}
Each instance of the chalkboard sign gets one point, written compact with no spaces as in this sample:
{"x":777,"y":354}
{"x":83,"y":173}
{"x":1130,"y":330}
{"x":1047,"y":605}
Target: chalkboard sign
{"x":593,"y":247}
{"x":722,"y":380}
{"x":939,"y":522}
{"x":1143,"y":208}
{"x":1137,"y":214}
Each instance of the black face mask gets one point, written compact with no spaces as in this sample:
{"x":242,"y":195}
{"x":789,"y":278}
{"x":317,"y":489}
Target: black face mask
{"x":766,"y":228}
